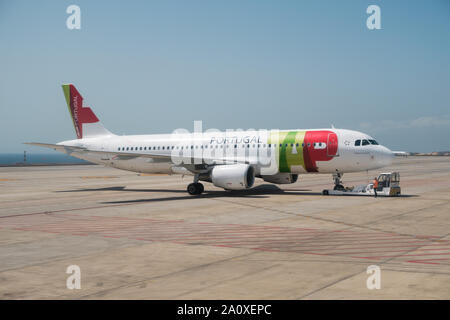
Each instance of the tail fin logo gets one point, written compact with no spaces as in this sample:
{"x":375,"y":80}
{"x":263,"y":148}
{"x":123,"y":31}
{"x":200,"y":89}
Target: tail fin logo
{"x":79,"y":113}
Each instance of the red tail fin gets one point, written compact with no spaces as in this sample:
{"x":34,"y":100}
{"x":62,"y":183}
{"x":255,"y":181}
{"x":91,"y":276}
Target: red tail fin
{"x":84,"y":120}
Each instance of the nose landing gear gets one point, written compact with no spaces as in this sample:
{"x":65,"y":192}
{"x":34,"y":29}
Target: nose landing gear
{"x":337,"y":181}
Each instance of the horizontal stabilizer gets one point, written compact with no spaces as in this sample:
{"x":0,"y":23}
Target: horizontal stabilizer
{"x":57,"y":147}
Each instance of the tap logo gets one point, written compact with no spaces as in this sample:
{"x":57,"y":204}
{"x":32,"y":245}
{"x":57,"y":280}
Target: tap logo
{"x":75,"y":115}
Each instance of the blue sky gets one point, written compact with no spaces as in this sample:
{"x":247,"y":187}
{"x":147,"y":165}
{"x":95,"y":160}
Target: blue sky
{"x":154,"y":66}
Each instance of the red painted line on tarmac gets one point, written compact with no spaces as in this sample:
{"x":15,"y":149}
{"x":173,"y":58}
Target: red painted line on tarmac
{"x":315,"y":244}
{"x":422,"y":261}
{"x":406,"y":248}
{"x":365,"y":252}
{"x":263,"y":238}
{"x":409,"y":255}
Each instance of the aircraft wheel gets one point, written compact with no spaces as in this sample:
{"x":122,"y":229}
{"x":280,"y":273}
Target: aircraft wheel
{"x":192,"y":189}
{"x":195,"y":188}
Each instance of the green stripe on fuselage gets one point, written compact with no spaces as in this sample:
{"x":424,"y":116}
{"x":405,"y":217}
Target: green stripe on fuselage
{"x":289,"y":153}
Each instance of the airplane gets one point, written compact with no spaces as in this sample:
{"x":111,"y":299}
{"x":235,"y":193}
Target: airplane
{"x":230,"y":161}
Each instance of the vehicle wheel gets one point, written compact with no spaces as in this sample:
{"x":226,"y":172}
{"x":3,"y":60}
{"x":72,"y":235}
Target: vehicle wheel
{"x":192,"y":189}
{"x":339,"y":187}
{"x":325,"y":192}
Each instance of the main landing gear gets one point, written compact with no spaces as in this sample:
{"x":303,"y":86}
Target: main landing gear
{"x":337,"y":181}
{"x":195,"y":187}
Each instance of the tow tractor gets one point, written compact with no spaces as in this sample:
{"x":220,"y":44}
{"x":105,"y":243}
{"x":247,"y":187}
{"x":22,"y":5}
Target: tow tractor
{"x":388,"y":186}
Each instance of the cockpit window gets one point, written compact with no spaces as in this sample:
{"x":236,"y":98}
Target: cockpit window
{"x":357,"y":142}
{"x":365,"y":142}
{"x":373,"y":142}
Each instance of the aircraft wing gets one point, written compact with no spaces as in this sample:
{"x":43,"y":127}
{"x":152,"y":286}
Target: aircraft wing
{"x":204,"y":163}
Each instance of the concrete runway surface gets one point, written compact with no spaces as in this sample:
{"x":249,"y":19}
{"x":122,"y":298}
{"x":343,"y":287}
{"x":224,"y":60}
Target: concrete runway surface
{"x":143,"y":237}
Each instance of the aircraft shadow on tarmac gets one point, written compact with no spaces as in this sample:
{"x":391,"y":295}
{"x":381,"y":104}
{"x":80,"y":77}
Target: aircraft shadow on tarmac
{"x":261,"y":191}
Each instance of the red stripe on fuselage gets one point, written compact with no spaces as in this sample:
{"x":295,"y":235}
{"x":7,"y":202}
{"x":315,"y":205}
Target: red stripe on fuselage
{"x":313,"y":152}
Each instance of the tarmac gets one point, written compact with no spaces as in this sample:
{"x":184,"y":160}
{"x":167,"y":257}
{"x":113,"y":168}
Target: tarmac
{"x":143,"y":237}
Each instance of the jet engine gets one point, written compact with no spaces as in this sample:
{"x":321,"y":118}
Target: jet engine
{"x":233,"y":176}
{"x":281,"y":178}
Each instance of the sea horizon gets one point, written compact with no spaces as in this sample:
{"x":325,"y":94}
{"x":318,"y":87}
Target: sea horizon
{"x":38,"y":158}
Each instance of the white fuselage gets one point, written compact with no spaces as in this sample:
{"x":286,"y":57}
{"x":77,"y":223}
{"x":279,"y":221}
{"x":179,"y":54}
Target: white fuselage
{"x":295,"y":151}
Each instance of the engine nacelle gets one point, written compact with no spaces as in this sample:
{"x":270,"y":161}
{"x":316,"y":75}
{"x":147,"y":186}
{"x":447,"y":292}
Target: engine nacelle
{"x":233,"y":176}
{"x":281,"y":178}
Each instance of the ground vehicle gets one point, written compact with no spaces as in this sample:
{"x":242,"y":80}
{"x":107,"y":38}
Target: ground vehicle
{"x":388,"y":185}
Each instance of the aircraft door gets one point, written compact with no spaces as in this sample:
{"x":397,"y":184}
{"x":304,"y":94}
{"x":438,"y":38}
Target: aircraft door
{"x":332,"y":145}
